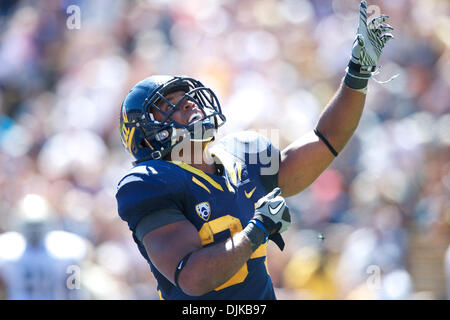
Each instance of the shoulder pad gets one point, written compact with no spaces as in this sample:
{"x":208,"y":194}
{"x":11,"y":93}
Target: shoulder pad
{"x":250,"y":147}
{"x":257,"y":152}
{"x":152,"y":171}
{"x":149,"y":187}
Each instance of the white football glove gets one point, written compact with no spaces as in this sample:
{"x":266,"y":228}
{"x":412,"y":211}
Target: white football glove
{"x":272,"y":217}
{"x":368,"y":45}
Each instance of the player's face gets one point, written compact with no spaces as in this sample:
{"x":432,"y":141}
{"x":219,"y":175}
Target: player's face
{"x":187,"y":111}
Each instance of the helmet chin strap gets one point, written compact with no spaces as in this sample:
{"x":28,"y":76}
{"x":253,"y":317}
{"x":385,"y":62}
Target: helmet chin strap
{"x":155,"y":155}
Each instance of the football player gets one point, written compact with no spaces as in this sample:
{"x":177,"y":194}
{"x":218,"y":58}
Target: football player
{"x":203,"y":223}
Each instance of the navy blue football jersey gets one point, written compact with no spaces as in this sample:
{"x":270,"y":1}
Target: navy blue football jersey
{"x":217,"y":205}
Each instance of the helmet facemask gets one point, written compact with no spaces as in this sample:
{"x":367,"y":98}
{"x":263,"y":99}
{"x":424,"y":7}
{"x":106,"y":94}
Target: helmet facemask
{"x":168,"y":132}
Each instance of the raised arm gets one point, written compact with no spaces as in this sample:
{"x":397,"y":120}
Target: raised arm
{"x":307,"y":157}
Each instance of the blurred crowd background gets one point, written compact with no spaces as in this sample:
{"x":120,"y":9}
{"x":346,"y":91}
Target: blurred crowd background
{"x":375,"y":225}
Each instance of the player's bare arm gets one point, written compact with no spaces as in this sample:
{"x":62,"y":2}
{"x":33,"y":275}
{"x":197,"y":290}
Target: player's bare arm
{"x":306,"y":158}
{"x":207,"y":268}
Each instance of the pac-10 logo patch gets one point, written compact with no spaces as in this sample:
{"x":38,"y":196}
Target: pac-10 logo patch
{"x":203,"y":210}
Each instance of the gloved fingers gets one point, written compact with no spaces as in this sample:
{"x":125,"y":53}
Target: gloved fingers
{"x":386,"y":37}
{"x":377,"y":21}
{"x":383,"y":28}
{"x":274,"y":193}
{"x":278,"y":199}
{"x":362,"y":15}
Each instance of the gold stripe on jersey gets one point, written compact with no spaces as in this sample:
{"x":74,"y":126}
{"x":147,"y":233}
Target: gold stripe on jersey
{"x":199,"y":173}
{"x":199,"y":183}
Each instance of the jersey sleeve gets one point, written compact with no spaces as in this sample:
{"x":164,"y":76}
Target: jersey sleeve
{"x":150,"y":197}
{"x":260,"y":155}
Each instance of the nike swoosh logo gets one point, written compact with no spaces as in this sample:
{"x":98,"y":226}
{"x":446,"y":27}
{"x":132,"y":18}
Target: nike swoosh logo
{"x":248,"y":195}
{"x":275,"y":210}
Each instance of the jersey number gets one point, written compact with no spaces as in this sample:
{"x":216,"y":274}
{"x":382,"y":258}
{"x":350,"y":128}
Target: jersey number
{"x":233,"y":224}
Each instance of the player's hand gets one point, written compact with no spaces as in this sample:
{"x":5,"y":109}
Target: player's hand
{"x":369,"y":42}
{"x":272,"y":211}
{"x":273,"y":215}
